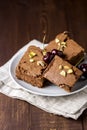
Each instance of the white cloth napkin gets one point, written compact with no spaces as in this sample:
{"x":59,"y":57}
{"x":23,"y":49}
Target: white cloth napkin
{"x":68,"y":106}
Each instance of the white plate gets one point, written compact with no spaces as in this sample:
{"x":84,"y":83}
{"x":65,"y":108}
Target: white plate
{"x":49,"y":89}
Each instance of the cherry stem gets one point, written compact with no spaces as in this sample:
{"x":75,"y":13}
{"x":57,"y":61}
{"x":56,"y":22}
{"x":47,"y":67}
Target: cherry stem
{"x":44,"y":38}
{"x":79,"y":61}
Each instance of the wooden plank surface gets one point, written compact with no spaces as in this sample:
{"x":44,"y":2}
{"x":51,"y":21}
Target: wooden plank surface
{"x":22,"y":21}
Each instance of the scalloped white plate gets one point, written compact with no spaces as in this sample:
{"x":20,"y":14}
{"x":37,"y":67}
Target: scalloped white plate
{"x":49,"y":89}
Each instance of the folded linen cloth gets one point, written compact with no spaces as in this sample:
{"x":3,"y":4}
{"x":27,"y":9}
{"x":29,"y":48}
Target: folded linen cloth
{"x":70,"y":106}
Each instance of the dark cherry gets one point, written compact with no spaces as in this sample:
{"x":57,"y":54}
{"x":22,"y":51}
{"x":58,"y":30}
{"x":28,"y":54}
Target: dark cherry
{"x":83,"y":67}
{"x":58,"y":52}
{"x":54,"y":51}
{"x":48,"y":57}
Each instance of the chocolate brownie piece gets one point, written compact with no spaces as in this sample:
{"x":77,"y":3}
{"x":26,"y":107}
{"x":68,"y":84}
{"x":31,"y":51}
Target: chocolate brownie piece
{"x":31,"y":66}
{"x":73,"y":51}
{"x":62,"y":73}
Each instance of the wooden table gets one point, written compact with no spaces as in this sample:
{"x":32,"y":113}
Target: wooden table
{"x":20,"y":22}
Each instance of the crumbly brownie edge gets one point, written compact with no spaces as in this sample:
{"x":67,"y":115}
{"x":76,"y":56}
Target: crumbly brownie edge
{"x":35,"y":81}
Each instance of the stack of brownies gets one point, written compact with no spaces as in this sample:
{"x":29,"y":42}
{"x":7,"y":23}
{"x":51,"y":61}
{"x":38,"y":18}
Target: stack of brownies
{"x":56,"y":63}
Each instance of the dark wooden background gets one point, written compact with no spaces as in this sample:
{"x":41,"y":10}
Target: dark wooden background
{"x":22,"y":21}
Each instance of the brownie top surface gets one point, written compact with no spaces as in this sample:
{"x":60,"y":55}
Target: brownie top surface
{"x":55,"y":75}
{"x":32,"y":63}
